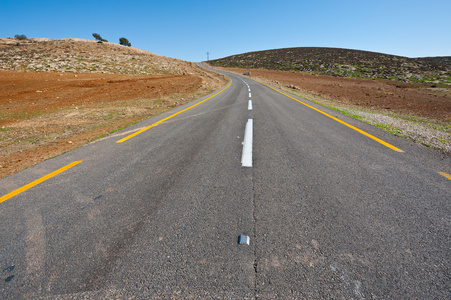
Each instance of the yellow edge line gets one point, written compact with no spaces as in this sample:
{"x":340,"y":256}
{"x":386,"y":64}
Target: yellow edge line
{"x":445,"y":174}
{"x":36,"y":182}
{"x":339,"y":121}
{"x":165,"y":119}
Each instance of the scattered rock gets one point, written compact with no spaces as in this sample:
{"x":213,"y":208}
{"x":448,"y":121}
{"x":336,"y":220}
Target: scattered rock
{"x":10,"y":268}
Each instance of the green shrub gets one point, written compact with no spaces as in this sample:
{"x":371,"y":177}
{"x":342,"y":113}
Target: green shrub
{"x":99,"y":38}
{"x":123,"y":41}
{"x":20,"y":36}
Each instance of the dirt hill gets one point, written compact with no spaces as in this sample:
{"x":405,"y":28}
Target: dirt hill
{"x":85,"y":56}
{"x":56,"y":95}
{"x":344,"y":63}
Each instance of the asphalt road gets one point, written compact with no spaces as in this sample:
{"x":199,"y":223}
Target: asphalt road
{"x":330,"y":212}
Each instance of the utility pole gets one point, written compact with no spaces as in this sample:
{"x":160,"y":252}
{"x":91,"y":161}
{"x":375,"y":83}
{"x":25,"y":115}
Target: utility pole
{"x":208,"y":56}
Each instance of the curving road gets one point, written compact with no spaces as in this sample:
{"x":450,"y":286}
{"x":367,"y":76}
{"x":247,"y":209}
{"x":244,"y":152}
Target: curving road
{"x":333,"y":208}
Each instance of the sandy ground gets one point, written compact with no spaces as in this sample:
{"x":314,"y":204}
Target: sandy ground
{"x":45,"y":114}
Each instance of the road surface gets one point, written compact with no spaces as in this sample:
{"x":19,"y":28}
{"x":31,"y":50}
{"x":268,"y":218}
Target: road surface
{"x":333,"y":208}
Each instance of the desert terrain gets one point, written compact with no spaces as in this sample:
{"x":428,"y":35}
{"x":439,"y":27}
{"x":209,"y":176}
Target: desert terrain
{"x":57,"y":95}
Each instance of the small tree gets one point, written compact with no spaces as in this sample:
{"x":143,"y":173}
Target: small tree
{"x":98,"y":38}
{"x":20,"y":36}
{"x":123,"y":41}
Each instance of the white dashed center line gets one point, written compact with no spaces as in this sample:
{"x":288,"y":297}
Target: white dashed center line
{"x":246,"y":158}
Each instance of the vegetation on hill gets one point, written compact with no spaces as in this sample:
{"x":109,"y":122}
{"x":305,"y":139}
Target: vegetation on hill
{"x":99,"y":38}
{"x":20,"y":36}
{"x":344,"y":63}
{"x":124,"y":42}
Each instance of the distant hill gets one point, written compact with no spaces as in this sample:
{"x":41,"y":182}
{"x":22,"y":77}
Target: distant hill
{"x":344,"y":63}
{"x":444,"y":60}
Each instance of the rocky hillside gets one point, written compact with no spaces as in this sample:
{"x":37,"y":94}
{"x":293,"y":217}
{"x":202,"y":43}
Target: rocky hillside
{"x":85,"y":56}
{"x":344,"y":63}
{"x":446,"y":60}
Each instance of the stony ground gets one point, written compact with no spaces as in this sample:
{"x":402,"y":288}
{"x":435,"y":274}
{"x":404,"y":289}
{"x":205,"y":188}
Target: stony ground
{"x":56,"y":95}
{"x":84,"y":56}
{"x":415,"y":111}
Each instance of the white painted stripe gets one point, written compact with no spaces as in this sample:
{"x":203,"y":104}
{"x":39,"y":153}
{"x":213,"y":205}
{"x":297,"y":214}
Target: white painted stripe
{"x":250,"y":95}
{"x":249,"y":105}
{"x":246,"y":158}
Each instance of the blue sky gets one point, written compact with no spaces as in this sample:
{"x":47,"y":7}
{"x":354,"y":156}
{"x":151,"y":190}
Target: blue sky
{"x":188,"y":29}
